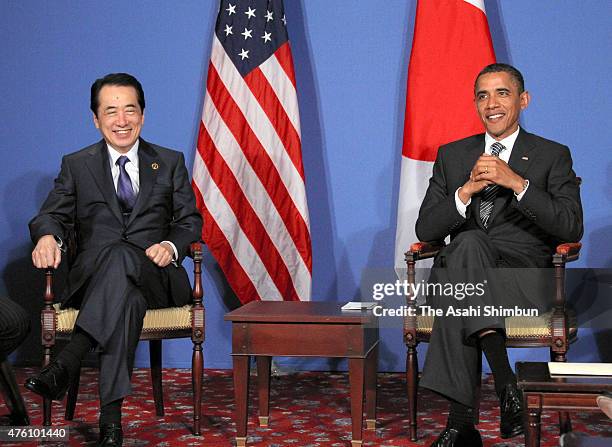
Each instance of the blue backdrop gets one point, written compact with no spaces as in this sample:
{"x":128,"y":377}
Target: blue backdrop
{"x":351,"y":63}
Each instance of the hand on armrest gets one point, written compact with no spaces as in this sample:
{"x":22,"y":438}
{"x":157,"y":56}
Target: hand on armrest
{"x":47,"y":253}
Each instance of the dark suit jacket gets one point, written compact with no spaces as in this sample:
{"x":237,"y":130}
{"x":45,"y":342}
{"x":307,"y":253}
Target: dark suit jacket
{"x":84,"y":201}
{"x":526,"y":232}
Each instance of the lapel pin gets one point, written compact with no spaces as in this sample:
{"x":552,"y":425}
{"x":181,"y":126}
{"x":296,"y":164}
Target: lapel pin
{"x":155,"y":166}
{"x":525,"y":158}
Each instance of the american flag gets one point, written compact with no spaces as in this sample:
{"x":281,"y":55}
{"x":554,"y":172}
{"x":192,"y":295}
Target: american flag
{"x":248,"y":174}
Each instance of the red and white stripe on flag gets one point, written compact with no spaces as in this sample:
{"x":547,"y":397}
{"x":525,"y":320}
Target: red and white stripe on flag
{"x":248,"y":175}
{"x":451,"y":44}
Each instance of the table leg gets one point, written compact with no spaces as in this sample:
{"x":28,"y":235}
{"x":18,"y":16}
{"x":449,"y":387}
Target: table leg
{"x":371,"y":368}
{"x":356,"y":379}
{"x":241,"y":395}
{"x":534,"y":412}
{"x":263,"y":388}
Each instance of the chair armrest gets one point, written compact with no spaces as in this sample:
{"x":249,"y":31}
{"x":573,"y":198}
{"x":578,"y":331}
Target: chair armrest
{"x":423,"y":250}
{"x":197,"y":293}
{"x":567,"y":252}
{"x":47,"y":316}
{"x":48,"y":295}
{"x":195,"y":251}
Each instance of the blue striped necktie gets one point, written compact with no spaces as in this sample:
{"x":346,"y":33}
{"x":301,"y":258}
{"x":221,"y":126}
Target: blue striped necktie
{"x":490,"y":192}
{"x":125,"y":191}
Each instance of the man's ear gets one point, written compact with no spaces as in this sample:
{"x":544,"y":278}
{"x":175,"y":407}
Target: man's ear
{"x":525,"y":99}
{"x":95,"y":120}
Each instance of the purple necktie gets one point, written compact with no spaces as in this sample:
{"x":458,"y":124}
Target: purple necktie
{"x":125,"y":191}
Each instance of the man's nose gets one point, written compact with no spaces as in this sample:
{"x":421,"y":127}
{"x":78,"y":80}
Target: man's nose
{"x":121,"y":119}
{"x":492,"y":102}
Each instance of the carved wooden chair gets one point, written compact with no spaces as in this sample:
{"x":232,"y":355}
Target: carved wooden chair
{"x":159,"y":324}
{"x":555,"y":329}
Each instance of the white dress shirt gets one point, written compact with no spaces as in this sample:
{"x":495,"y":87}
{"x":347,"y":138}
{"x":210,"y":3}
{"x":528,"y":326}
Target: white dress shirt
{"x":504,"y":155}
{"x":131,"y":167}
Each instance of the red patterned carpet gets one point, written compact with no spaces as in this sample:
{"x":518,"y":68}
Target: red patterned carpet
{"x":306,"y":410}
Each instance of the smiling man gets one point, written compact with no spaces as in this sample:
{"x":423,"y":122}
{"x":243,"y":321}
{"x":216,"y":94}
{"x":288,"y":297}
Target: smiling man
{"x":506,"y":198}
{"x":129,"y":206}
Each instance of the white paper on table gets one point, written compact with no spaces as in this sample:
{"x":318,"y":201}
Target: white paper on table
{"x":359,"y":305}
{"x":579,"y":369}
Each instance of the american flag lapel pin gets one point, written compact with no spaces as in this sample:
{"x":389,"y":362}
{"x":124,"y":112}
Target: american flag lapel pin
{"x":525,"y":157}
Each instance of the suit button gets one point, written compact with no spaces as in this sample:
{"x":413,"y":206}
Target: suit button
{"x":124,"y":237}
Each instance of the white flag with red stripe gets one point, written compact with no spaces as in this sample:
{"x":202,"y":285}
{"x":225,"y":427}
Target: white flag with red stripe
{"x":248,"y":174}
{"x":451,"y":44}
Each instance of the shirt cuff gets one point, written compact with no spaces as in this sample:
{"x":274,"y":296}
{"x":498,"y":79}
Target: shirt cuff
{"x":461,"y":207}
{"x":520,"y":196}
{"x":174,"y":250}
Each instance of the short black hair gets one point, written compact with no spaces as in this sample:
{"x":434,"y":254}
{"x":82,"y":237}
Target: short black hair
{"x":123,"y":79}
{"x":506,"y":68}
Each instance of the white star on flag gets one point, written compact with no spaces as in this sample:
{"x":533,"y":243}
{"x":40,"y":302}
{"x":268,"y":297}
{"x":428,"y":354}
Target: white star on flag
{"x":231,"y":9}
{"x":228,"y":30}
{"x":267,"y":37}
{"x":244,"y":54}
{"x":269,"y":16}
{"x":247,"y":33}
{"x":250,"y":12}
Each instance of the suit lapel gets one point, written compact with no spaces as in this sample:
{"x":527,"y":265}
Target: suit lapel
{"x":148,"y":166}
{"x":99,"y":166}
{"x":522,"y":153}
{"x":520,"y":160}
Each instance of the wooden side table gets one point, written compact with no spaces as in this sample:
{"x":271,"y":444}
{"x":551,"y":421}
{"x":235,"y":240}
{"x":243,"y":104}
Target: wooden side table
{"x":543,"y":392}
{"x":314,"y":329}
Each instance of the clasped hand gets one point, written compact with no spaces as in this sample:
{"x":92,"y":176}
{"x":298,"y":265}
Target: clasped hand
{"x":490,"y":170}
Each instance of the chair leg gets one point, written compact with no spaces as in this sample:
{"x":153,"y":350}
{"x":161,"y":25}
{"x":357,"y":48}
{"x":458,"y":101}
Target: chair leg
{"x":10,"y":390}
{"x":73,"y":392}
{"x":565,"y":422}
{"x":155,"y":355}
{"x":412,"y":374}
{"x":197,"y":371}
{"x":46,"y":402}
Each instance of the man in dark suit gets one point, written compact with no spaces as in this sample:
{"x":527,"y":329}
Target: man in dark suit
{"x":130,"y":205}
{"x":14,"y":327}
{"x":505,"y":198}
